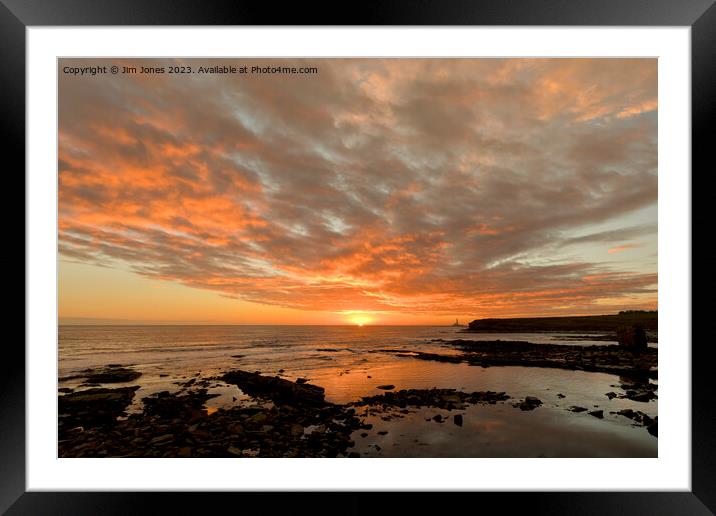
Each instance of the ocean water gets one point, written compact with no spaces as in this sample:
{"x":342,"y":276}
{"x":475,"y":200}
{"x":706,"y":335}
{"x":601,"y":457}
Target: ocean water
{"x":348,"y":363}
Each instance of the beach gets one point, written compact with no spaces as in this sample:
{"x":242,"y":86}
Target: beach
{"x":351,"y":391}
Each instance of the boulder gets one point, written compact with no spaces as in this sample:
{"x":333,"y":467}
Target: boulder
{"x":632,"y":337}
{"x":93,"y":407}
{"x":530,"y":403}
{"x":274,"y":388}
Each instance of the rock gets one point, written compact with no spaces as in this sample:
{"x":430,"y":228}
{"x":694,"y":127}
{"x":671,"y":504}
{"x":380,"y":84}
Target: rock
{"x":364,"y":434}
{"x":653,"y":427}
{"x":274,"y":388}
{"x":383,"y":432}
{"x":457,"y":419}
{"x":642,"y":396}
{"x":530,"y":403}
{"x":301,"y":380}
{"x":177,"y":424}
{"x":234,"y":451}
{"x":93,"y":407}
{"x":257,"y":419}
{"x":575,"y":408}
{"x":184,"y":405}
{"x":637,"y":416}
{"x":636,"y":389}
{"x":440,"y":398}
{"x":238,"y":428}
{"x":386,"y":387}
{"x":162,"y":439}
{"x":597,"y":413}
{"x":353,"y":455}
{"x":560,"y":395}
{"x":613,"y":359}
{"x":65,"y":389}
{"x":438,"y":418}
{"x":632,"y":337}
{"x":113,"y":373}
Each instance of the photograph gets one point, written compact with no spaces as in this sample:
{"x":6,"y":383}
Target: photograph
{"x":363,"y":257}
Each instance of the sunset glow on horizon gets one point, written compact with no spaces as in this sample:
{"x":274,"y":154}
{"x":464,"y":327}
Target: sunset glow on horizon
{"x":376,"y":192}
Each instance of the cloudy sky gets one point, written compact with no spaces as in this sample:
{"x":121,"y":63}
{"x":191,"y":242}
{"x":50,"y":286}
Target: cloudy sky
{"x":378,"y":190}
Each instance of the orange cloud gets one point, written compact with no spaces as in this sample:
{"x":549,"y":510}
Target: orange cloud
{"x":413,"y":186}
{"x":620,"y":248}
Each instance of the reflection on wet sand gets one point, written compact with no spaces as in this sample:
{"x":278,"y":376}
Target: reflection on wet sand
{"x":502,"y":431}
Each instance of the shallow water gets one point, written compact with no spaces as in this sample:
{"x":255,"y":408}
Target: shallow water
{"x":348,"y":362}
{"x":504,"y":431}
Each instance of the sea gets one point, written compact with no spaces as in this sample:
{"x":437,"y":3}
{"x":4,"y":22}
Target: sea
{"x":350,"y":362}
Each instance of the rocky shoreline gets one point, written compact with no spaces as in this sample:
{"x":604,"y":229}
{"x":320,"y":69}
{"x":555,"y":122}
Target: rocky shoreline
{"x":601,"y":359}
{"x":284,"y":418}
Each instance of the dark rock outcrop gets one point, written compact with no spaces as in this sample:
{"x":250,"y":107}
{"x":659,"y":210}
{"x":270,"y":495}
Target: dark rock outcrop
{"x":440,"y":398}
{"x":185,"y":405}
{"x":646,"y":319}
{"x":604,"y":359}
{"x":274,"y":388}
{"x":299,"y":423}
{"x":92,"y":407}
{"x":529,"y":403}
{"x":113,"y":373}
{"x":632,"y":337}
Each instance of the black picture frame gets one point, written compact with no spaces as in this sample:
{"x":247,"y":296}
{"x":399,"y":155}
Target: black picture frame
{"x":700,"y":15}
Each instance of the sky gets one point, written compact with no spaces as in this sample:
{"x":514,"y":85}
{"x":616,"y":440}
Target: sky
{"x":376,"y":191}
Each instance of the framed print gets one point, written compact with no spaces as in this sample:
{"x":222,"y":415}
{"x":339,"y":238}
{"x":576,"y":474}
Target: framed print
{"x":436,"y":241}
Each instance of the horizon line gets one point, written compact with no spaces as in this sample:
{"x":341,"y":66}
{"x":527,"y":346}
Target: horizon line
{"x":178,"y":323}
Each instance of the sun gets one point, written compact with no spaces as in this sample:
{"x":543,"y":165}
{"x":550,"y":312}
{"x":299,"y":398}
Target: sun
{"x":360,"y":319}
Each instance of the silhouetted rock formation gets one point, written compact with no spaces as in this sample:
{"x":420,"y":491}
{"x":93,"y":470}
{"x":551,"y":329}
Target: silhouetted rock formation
{"x":632,"y":337}
{"x":274,"y":388}
{"x":602,"y":359}
{"x":646,"y":320}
